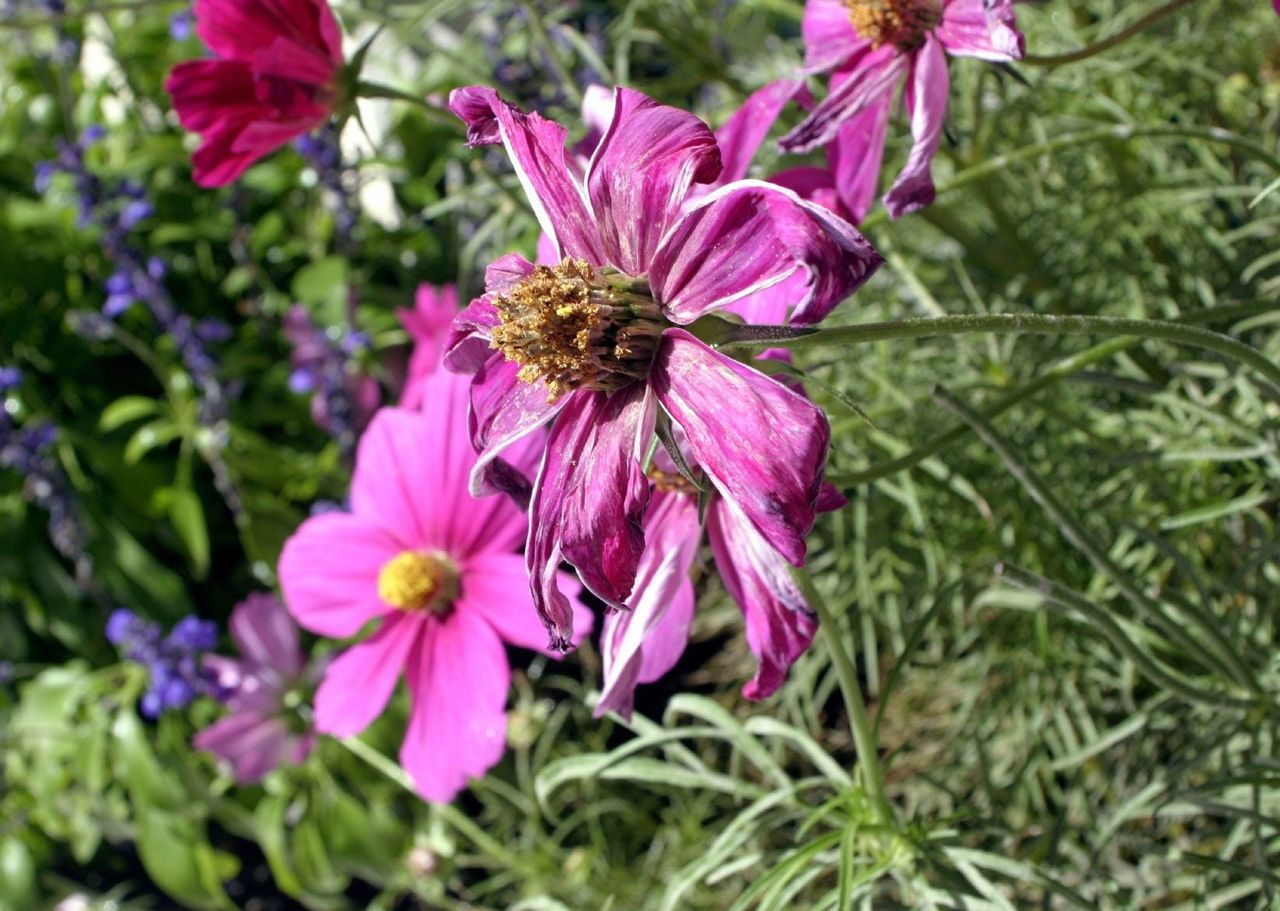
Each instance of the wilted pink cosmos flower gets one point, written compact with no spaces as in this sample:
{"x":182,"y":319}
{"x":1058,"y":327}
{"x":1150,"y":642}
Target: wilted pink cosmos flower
{"x":274,"y":78}
{"x":439,"y":575}
{"x":597,"y":343}
{"x":872,"y":46}
{"x":428,"y":326}
{"x":263,"y":729}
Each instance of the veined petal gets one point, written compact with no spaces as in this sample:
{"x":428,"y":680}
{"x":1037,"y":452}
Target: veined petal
{"x":779,"y":624}
{"x":536,"y":147}
{"x":829,"y":35}
{"x":856,"y":155}
{"x":639,"y":175}
{"x":588,"y":501}
{"x":742,"y":133}
{"x":642,"y":644}
{"x":927,"y":89}
{"x":467,"y":347}
{"x":750,"y":235}
{"x":458,"y":677}
{"x":762,"y":445}
{"x":876,"y":73}
{"x":359,"y":682}
{"x":329,"y":572}
{"x":985,"y":29}
{"x":496,"y":586}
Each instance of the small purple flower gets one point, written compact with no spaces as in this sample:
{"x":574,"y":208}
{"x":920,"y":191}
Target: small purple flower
{"x":10,"y":377}
{"x":92,"y":133}
{"x":180,"y":26}
{"x":263,"y":692}
{"x":44,"y":176}
{"x":176,"y":673}
{"x":137,"y":211}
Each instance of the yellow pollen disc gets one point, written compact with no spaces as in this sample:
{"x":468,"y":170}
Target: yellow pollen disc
{"x":418,"y":581}
{"x":902,"y":23}
{"x":670,"y":481}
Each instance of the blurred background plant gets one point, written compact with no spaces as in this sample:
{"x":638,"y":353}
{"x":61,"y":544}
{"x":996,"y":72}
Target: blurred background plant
{"x":1059,"y":563}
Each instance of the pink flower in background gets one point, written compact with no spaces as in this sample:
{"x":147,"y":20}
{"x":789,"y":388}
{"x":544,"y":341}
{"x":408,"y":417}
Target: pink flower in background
{"x":872,"y":46}
{"x":594,"y":345}
{"x":428,"y":326}
{"x":439,"y":576}
{"x":263,"y":729}
{"x":274,"y":77}
{"x":642,"y":644}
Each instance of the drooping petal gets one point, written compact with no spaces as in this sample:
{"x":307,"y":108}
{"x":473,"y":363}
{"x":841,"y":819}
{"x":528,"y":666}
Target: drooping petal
{"x":458,"y":677}
{"x":639,"y":175}
{"x":642,"y":644}
{"x":742,"y":133}
{"x":985,"y":29}
{"x":266,"y":635}
{"x":536,"y":147}
{"x":762,"y":445}
{"x":779,"y":624}
{"x":750,"y":235}
{"x":829,"y":36}
{"x":927,"y":99}
{"x":588,"y":501}
{"x":496,"y":586}
{"x":359,"y":682}
{"x":814,"y":184}
{"x":329,"y":572}
{"x":252,"y":745}
{"x":876,"y":73}
{"x":856,"y":155}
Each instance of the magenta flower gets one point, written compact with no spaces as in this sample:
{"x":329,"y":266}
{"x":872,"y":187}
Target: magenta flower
{"x":439,"y":575}
{"x":274,"y":77}
{"x":428,"y":325}
{"x":872,"y":46}
{"x":642,"y":644}
{"x":595,"y":345}
{"x":263,"y":730}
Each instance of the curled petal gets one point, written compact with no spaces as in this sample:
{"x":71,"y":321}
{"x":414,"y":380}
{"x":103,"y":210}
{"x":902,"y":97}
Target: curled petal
{"x":762,"y":445}
{"x":536,"y":147}
{"x":649,"y":157}
{"x":875,"y":74}
{"x":505,"y":415}
{"x":927,"y":100}
{"x":588,"y":501}
{"x":985,"y":29}
{"x":779,"y":624}
{"x":750,"y":235}
{"x":742,"y":133}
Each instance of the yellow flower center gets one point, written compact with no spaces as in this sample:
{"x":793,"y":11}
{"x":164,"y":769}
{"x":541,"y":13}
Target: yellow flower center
{"x":902,"y":23}
{"x":671,"y":481}
{"x":414,"y":581}
{"x":571,"y":326}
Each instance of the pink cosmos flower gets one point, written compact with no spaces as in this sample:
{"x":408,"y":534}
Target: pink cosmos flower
{"x":274,"y":77}
{"x":596,"y":345}
{"x":263,"y":730}
{"x":428,"y":326}
{"x":872,"y":46}
{"x":438,"y":575}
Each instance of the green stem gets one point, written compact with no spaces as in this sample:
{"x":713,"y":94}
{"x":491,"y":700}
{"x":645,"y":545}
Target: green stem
{"x":1036,"y":323}
{"x":376,"y":90}
{"x":1108,"y":43}
{"x":539,"y":31}
{"x":863,"y":732}
{"x":448,"y":812}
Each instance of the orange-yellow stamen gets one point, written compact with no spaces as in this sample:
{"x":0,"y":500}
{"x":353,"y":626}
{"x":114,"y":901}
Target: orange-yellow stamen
{"x":414,"y":581}
{"x":902,"y":23}
{"x":671,"y":481}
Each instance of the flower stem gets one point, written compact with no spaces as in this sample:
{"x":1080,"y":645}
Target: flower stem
{"x":448,"y":812}
{"x":376,"y":90}
{"x":859,"y":723}
{"x":1108,"y":43}
{"x":1036,"y":323}
{"x":539,"y":31}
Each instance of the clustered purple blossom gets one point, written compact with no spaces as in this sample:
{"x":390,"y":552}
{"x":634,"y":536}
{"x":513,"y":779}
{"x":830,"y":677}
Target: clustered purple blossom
{"x":322,"y":365}
{"x":137,"y":278}
{"x":174,"y":661}
{"x":323,"y":151}
{"x":27,"y":450}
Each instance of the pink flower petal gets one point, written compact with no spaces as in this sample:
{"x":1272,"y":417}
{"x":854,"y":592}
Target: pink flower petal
{"x":640,"y":173}
{"x":253,"y":745}
{"x":871,"y":76}
{"x":750,"y":235}
{"x":742,"y":133}
{"x":236,"y":29}
{"x":762,"y":445}
{"x":927,"y":89}
{"x":428,"y":324}
{"x":588,"y":501}
{"x":985,"y":29}
{"x":359,"y":682}
{"x":856,"y":155}
{"x":329,"y":572}
{"x":496,"y":586}
{"x":829,"y":35}
{"x":266,"y":635}
{"x":536,"y":147}
{"x":779,"y":624}
{"x":642,"y":644}
{"x":458,"y":678}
